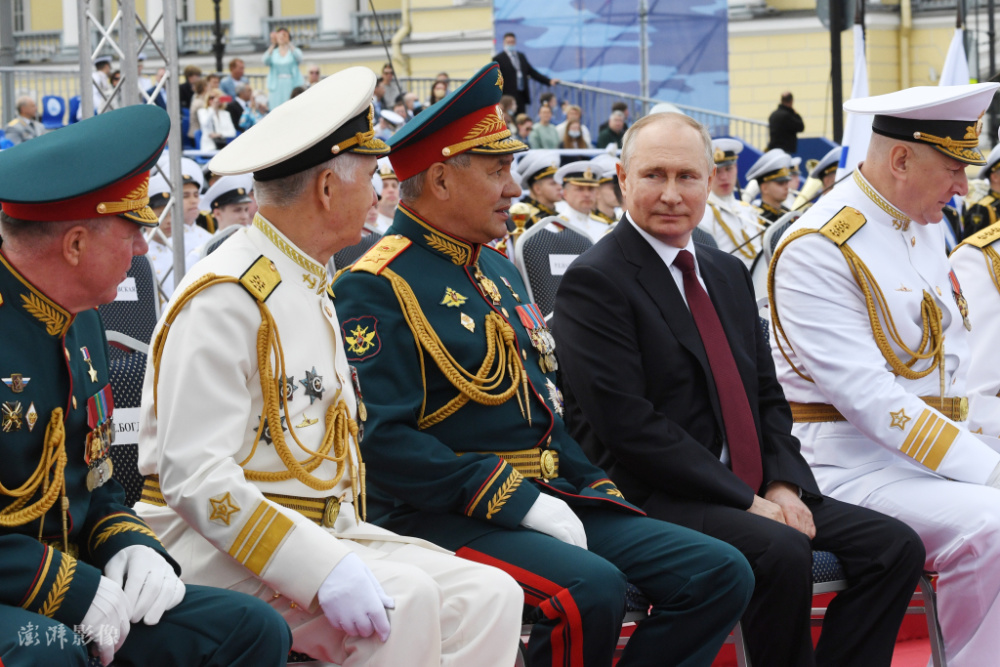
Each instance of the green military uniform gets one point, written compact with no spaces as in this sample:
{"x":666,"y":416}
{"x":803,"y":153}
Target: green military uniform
{"x":63,"y":517}
{"x":463,"y":432}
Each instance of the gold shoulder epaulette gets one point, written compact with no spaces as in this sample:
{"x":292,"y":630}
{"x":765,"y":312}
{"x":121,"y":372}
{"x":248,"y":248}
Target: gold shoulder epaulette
{"x":381,"y":254}
{"x":14,"y":122}
{"x":843,"y":225}
{"x":987,"y":200}
{"x":261,"y":278}
{"x":985,"y":237}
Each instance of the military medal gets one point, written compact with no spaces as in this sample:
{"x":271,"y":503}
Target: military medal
{"x":356,"y":381}
{"x":86,"y":357}
{"x":265,"y":431}
{"x":306,"y":422}
{"x":289,"y":388}
{"x":540,"y":336}
{"x":555,"y":397}
{"x":963,"y":305}
{"x":314,"y":385}
{"x":488,"y":286}
{"x":511,"y":288}
{"x":16,"y":382}
{"x":96,"y":454}
{"x":31,"y":416}
{"x":452,"y":299}
{"x":12,"y":416}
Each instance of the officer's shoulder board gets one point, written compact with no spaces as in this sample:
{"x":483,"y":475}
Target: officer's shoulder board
{"x":381,"y":254}
{"x":14,"y":122}
{"x":985,"y":237}
{"x":261,"y":278}
{"x":843,"y":225}
{"x":987,"y":200}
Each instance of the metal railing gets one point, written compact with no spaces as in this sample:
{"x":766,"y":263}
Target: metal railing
{"x":199,"y":36}
{"x":304,"y":30}
{"x":37,"y":46}
{"x":365,"y":30}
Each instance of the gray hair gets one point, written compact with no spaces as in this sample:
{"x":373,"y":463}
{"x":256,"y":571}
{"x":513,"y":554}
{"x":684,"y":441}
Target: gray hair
{"x":629,"y":140}
{"x":286,"y":191}
{"x":22,"y":100}
{"x":411,"y":189}
{"x":32,"y":236}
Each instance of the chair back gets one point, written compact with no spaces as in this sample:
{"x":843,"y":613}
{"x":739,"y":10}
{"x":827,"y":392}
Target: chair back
{"x":347,"y":256}
{"x":774,"y":232}
{"x":701,"y":236}
{"x":137,"y":308}
{"x":217,"y":239}
{"x":125,"y":372}
{"x":543,"y":253}
{"x":53,"y":111}
{"x":74,"y":110}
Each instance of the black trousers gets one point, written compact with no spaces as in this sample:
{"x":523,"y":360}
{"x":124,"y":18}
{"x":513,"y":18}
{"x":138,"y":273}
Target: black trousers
{"x":881,"y":557}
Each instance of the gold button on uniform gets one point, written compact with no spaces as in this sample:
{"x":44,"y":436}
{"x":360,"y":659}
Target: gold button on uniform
{"x":74,"y":402}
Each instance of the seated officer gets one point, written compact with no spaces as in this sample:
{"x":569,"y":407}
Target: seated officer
{"x":229,"y":201}
{"x":75,"y":557}
{"x":608,"y":206}
{"x":464,"y":442}
{"x":388,"y":197}
{"x":538,"y":170}
{"x":251,"y":435}
{"x":688,"y":419}
{"x":579,"y":181}
{"x":732,"y":223}
{"x":984,"y":212}
{"x":773,"y":173}
{"x":870,"y":338}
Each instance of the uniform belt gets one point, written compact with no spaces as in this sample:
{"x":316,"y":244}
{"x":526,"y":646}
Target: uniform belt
{"x":323,"y":511}
{"x":533,"y":463}
{"x":955,"y":408}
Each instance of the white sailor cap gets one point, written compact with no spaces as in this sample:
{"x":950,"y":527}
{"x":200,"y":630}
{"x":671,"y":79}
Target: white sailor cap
{"x":377,"y":184}
{"x":385,"y":170}
{"x":992,"y":163}
{"x":605,"y":164}
{"x":949,"y":118}
{"x":329,"y":118}
{"x":796,"y":163}
{"x":726,"y":150}
{"x":828,"y":164}
{"x":774,"y":165}
{"x":159,"y":191}
{"x":581,"y":172}
{"x":231,"y":189}
{"x":536,"y":165}
{"x":190,"y":170}
{"x":102,"y":60}
{"x":391,"y":117}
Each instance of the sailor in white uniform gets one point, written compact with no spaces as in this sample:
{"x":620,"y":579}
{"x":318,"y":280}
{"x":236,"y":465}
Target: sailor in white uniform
{"x":732,"y":223}
{"x":579,"y":181}
{"x":871,"y":343}
{"x":388,"y":197}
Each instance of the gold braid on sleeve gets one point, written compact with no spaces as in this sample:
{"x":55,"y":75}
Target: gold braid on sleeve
{"x":931,"y":341}
{"x":993,"y":265}
{"x":340,"y":428}
{"x":484,"y":386}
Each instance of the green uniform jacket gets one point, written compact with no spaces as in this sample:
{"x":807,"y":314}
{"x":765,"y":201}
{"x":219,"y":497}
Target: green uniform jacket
{"x":43,"y":367}
{"x":445,"y":466}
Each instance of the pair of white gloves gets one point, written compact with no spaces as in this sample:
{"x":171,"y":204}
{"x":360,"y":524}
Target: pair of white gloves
{"x":353,"y":600}
{"x":138,"y":584}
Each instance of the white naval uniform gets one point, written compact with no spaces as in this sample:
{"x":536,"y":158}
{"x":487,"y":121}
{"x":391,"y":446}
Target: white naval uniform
{"x":382,"y":223}
{"x":583,"y":222}
{"x":975,"y":274}
{"x":862,"y":461}
{"x":200,"y":440}
{"x":734,"y":224}
{"x":162,"y":257}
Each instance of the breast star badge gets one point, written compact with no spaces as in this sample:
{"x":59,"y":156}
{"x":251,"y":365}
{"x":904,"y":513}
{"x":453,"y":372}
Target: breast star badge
{"x":314,"y":385}
{"x":265,"y":434}
{"x":452,"y":299}
{"x":223,"y":507}
{"x":899,"y":419}
{"x":290,"y":387}
{"x":12,"y":416}
{"x":555,"y":397}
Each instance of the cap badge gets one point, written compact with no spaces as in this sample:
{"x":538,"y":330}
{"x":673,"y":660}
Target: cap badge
{"x":588,"y":174}
{"x":499,"y":80}
{"x":719,"y":155}
{"x":134,"y":200}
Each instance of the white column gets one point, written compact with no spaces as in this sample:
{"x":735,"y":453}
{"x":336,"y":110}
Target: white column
{"x":247,"y":17}
{"x":70,"y":38}
{"x":154,"y":13}
{"x":334,"y":16}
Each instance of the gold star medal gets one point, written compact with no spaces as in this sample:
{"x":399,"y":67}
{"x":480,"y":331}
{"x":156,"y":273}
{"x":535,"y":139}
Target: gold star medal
{"x":86,"y":357}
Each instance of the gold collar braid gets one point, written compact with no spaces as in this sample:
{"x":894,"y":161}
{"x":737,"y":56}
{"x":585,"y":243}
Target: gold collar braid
{"x":340,"y":427}
{"x":931,"y":341}
{"x":900,"y":220}
{"x":501,"y":351}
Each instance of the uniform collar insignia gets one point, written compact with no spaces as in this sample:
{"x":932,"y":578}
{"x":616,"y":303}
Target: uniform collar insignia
{"x":429,"y":237}
{"x":43,"y":311}
{"x":315,"y":279}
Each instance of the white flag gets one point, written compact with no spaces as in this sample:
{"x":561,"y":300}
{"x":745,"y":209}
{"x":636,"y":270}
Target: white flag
{"x":857,"y":127}
{"x":956,"y":66}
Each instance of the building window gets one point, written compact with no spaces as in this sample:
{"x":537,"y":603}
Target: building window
{"x":19,"y":16}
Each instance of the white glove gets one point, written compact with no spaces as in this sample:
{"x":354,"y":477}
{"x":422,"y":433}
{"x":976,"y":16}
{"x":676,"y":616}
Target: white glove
{"x":353,"y":599}
{"x":108,"y":615}
{"x":994,"y":479}
{"x":150,"y":584}
{"x":554,"y":517}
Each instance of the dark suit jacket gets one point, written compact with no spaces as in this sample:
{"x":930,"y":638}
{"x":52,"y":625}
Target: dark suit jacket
{"x":639,"y":393}
{"x":510,"y":75}
{"x":235,"y":110}
{"x":785,"y":124}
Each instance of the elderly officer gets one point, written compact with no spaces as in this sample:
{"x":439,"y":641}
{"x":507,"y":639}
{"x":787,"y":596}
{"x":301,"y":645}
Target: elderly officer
{"x":984,"y":212}
{"x":773,"y":173}
{"x":579,"y":181}
{"x":464,"y":441}
{"x":538,"y":170}
{"x":25,"y":126}
{"x":74,"y":207}
{"x":870,"y":338}
{"x":252,"y":434}
{"x":732,"y":223}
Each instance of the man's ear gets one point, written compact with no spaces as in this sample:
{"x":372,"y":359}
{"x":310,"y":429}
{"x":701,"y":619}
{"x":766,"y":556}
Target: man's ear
{"x":621,"y":177}
{"x":436,"y":181}
{"x":75,"y":242}
{"x":325,"y":185}
{"x":900,"y":158}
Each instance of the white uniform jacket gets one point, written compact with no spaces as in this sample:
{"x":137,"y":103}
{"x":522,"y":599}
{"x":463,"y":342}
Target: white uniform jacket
{"x":891,"y":433}
{"x":733,"y":224}
{"x":583,"y":222}
{"x":200,"y":434}
{"x":978,"y":268}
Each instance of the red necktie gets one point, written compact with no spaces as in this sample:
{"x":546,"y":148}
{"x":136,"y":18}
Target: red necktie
{"x":741,"y":433}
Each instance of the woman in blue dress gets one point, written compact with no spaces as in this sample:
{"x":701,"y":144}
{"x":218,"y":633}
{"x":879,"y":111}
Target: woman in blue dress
{"x":284,"y":74}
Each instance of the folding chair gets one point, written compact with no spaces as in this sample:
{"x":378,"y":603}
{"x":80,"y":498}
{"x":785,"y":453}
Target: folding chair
{"x":126,"y":370}
{"x":74,"y":110}
{"x":772,"y":236}
{"x":542,"y":255}
{"x":217,"y":240}
{"x":137,"y":308}
{"x":701,"y":236}
{"x":53,"y":111}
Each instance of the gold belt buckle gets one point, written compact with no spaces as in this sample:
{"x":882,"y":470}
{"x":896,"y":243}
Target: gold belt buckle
{"x":963,"y":408}
{"x":547,"y":463}
{"x":331,"y":510}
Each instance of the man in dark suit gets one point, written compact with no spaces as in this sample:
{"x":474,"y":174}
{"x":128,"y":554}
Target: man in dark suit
{"x":671,"y":389}
{"x":784,"y":125}
{"x":515,"y":69}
